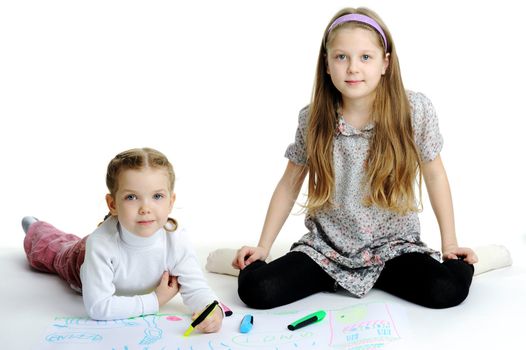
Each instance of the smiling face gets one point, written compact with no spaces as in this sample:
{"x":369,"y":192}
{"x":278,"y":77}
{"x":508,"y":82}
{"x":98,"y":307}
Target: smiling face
{"x":356,"y":62}
{"x":143,"y":200}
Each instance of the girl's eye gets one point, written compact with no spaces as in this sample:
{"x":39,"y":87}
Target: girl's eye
{"x":130,"y":197}
{"x":366,"y":58}
{"x":158,"y":196}
{"x":341,"y":57}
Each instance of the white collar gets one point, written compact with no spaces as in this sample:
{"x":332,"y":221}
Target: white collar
{"x":134,"y":240}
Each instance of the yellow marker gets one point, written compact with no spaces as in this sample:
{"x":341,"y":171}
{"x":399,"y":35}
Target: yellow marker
{"x":201,"y":318}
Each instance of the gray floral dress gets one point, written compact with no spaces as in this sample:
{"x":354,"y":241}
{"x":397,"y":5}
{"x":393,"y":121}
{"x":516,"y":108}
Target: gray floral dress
{"x":352,"y":242}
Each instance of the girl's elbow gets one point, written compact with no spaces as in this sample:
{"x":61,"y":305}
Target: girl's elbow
{"x":97,"y":316}
{"x":98,"y":313}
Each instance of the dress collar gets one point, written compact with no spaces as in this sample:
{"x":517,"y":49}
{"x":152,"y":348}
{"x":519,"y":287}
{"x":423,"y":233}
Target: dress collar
{"x":137,"y":241}
{"x":346,"y":129}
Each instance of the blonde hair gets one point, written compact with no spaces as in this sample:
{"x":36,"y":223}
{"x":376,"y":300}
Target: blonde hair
{"x":136,"y":159}
{"x":393,"y":162}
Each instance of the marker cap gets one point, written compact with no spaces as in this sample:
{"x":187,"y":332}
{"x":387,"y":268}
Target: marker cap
{"x":246,"y":324}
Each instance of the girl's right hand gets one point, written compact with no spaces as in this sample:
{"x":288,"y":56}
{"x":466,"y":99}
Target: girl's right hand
{"x":212,"y":323}
{"x":246,"y":255}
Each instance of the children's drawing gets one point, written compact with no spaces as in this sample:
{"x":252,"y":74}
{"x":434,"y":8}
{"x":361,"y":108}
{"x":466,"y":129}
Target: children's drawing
{"x":356,"y":327}
{"x":152,"y":333}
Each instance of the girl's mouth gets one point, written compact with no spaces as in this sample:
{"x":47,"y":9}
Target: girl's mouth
{"x":145,"y":222}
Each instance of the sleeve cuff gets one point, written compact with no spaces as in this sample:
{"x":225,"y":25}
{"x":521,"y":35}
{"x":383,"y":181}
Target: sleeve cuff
{"x":150,"y":304}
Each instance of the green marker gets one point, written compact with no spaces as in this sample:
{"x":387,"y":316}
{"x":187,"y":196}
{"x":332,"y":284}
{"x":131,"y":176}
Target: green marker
{"x":307,"y":320}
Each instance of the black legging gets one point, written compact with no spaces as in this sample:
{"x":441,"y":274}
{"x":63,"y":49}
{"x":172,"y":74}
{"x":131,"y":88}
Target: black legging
{"x":415,"y":277}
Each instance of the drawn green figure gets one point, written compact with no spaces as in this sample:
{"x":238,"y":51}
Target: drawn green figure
{"x":350,"y":315}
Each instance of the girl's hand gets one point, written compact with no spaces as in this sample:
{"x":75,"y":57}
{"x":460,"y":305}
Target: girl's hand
{"x":246,"y":255}
{"x":466,"y":254}
{"x":167,"y":289}
{"x":212,"y":323}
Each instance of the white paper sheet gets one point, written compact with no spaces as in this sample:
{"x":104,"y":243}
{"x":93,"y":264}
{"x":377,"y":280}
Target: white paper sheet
{"x":358,"y":327}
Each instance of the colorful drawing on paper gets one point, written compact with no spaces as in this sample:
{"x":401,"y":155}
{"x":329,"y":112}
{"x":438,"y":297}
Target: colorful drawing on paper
{"x":356,"y":327}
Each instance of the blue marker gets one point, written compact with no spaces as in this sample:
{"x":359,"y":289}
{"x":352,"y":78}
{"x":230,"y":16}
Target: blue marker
{"x":246,"y":324}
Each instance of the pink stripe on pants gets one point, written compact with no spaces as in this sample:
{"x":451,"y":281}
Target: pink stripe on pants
{"x":51,"y":250}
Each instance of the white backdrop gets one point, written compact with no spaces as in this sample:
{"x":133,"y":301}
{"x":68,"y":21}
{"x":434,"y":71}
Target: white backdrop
{"x":217,"y":85}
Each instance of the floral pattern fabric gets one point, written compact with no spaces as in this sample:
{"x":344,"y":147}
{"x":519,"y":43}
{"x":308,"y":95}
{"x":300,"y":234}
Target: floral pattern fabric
{"x":352,"y":242}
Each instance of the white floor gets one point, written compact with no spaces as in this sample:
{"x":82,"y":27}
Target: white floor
{"x":491,"y":317}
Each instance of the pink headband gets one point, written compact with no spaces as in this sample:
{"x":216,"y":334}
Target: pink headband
{"x":355,"y":17}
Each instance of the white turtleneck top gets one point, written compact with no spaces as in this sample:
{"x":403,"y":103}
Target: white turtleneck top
{"x":121,"y":271}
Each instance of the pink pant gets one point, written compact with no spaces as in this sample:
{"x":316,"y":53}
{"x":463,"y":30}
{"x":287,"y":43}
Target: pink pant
{"x":51,"y":250}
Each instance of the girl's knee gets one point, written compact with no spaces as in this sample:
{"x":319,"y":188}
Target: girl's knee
{"x":255,"y":292}
{"x":446,"y":294}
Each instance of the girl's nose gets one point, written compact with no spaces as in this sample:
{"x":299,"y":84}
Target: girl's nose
{"x":352,"y":66}
{"x":144,"y":209}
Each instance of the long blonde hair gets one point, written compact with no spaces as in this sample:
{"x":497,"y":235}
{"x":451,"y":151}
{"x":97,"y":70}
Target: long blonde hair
{"x":136,"y":159}
{"x":393,"y":162}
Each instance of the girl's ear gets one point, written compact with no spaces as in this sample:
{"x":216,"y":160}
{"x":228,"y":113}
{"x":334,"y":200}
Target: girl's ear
{"x":110,"y":201}
{"x":386,"y":63}
{"x":172,"y":200}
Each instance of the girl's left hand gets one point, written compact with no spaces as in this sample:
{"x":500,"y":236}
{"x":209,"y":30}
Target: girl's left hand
{"x":167,"y":288}
{"x":212,"y":323}
{"x":466,"y":254}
